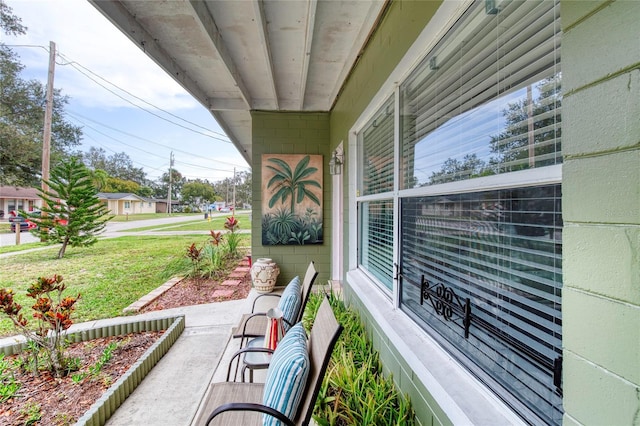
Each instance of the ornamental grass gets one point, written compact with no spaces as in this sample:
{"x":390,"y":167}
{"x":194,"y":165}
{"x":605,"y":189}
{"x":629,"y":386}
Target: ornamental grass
{"x":355,"y":391}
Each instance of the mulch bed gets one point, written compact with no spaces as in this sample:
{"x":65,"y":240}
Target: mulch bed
{"x":61,"y":401}
{"x":196,"y":291}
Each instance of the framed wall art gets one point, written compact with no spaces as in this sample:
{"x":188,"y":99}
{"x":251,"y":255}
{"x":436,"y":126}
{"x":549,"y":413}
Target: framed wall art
{"x":291,"y":199}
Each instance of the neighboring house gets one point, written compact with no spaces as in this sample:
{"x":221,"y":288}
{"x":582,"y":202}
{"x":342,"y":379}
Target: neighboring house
{"x":161,"y":205}
{"x":486,"y":220}
{"x":15,"y":198}
{"x":120,"y":203}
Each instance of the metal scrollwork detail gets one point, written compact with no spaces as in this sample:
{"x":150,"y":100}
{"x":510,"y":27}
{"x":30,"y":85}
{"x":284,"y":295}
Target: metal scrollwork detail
{"x":446,"y":303}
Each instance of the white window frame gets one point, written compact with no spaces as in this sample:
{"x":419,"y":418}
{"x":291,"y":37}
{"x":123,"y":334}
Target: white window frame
{"x":430,"y":363}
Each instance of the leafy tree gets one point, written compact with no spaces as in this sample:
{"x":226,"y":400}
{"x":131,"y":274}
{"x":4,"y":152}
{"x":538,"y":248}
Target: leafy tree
{"x":22,"y":116}
{"x":118,"y":165}
{"x":198,"y":192}
{"x":453,"y":169}
{"x":145,"y":191}
{"x":121,"y":185}
{"x":177,"y":181}
{"x":71,"y":198}
{"x":288,"y":183}
{"x":99,"y":178}
{"x":511,"y":145}
{"x":243,"y":188}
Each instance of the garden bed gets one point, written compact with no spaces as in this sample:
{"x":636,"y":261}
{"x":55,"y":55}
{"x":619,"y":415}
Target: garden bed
{"x":46,"y":396}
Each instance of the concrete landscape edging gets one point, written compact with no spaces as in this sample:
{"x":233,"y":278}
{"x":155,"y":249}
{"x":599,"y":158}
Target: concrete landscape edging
{"x":112,"y":398}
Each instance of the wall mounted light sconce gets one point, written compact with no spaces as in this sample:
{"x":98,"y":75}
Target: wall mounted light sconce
{"x":490,"y":7}
{"x":433,"y":63}
{"x":335,"y":164}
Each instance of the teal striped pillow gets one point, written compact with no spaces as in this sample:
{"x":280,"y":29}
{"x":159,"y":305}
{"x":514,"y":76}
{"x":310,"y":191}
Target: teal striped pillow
{"x":287,"y":375}
{"x":290,"y":302}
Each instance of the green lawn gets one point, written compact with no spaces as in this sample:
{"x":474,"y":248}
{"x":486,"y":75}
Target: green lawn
{"x":201,"y":224}
{"x":22,"y":247}
{"x":109,"y":275}
{"x":145,"y":216}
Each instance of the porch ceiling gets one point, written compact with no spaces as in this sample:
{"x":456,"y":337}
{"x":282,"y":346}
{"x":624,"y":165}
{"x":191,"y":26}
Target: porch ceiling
{"x":238,"y":56}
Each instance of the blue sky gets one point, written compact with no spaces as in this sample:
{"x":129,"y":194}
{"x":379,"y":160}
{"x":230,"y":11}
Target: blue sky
{"x":95,"y":60}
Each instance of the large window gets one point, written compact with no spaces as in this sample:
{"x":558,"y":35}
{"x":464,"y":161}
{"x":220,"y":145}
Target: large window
{"x":472,"y":169}
{"x":500,"y":250}
{"x":376,"y":153}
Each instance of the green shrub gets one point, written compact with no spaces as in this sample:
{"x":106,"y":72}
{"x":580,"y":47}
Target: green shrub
{"x":354,"y":390}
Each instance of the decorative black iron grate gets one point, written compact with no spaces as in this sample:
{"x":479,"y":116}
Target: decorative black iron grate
{"x":446,"y":303}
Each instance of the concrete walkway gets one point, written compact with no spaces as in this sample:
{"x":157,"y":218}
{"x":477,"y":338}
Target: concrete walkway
{"x":171,"y":392}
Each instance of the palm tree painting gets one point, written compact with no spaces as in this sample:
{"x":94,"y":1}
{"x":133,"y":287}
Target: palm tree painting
{"x":292,"y":199}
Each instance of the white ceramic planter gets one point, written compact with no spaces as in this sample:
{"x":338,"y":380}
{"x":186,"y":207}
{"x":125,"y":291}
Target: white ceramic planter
{"x":264,"y":274}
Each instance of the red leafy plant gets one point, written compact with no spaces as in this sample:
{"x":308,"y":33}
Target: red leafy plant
{"x":233,"y":239}
{"x":195,"y":256}
{"x":52,"y":313}
{"x":216,"y":238}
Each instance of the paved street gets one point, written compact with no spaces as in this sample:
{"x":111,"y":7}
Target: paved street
{"x":115,"y":229}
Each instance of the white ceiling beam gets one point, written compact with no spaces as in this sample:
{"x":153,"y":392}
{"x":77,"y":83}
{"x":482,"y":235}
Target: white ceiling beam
{"x":308,"y":42}
{"x":261,"y":22}
{"x":121,"y":18}
{"x":227,"y":104}
{"x":373,"y":14}
{"x":209,"y":26}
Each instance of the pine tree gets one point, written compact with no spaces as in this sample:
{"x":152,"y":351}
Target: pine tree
{"x":72,"y":214}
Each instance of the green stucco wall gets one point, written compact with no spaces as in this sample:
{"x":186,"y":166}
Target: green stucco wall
{"x":291,"y":133}
{"x":601,"y":208}
{"x":399,"y":28}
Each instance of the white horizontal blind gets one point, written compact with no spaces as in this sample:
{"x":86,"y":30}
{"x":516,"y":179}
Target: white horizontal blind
{"x":376,"y":245}
{"x":376,"y":144}
{"x":487,"y":98}
{"x":376,"y":217}
{"x":502,"y":250}
{"x":487,"y":101}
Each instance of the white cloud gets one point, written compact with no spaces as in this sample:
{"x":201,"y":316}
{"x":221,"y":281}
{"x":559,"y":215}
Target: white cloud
{"x":83,"y":35}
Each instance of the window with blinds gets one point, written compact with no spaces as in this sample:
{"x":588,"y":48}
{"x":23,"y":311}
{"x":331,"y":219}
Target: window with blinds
{"x":377,"y":174}
{"x":376,"y":244}
{"x":376,"y":152}
{"x":480,"y":267}
{"x":501,"y":250}
{"x":487,"y":98}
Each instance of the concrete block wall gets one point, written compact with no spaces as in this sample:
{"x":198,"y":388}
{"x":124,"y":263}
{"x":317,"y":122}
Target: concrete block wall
{"x":291,"y":133}
{"x":601,"y":209}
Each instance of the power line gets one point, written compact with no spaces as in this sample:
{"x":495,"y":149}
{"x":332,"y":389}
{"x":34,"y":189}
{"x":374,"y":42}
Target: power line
{"x":77,"y":66}
{"x":70,"y":62}
{"x":75,"y":114}
{"x":73,"y":65}
{"x":139,"y":149}
{"x":116,"y":152}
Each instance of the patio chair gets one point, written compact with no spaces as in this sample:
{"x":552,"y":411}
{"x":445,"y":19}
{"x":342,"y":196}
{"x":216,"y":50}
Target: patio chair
{"x":292,"y":385}
{"x":254,"y":324}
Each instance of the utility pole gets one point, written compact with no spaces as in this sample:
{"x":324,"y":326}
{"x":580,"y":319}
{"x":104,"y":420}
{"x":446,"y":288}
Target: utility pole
{"x":46,"y":134}
{"x":170,"y":179}
{"x":48,"y":113}
{"x":234,"y":192}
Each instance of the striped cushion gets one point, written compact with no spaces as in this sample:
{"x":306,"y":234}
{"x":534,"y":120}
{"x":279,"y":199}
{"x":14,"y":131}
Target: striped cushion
{"x":290,"y":302}
{"x":287,"y":375}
